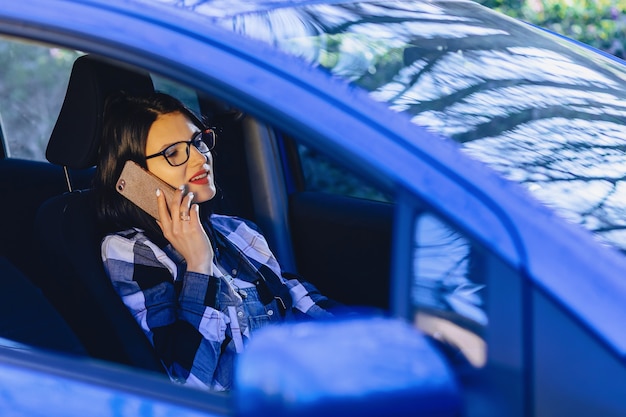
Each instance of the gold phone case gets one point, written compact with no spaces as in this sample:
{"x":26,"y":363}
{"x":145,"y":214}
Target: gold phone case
{"x":139,"y":186}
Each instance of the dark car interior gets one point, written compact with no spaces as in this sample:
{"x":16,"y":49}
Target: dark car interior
{"x":339,"y":243}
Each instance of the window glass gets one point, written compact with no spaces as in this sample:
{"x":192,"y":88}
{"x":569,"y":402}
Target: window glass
{"x":183,"y":93}
{"x":32,"y":88}
{"x":470,"y":302}
{"x":321,"y":174}
{"x":448,"y":288}
{"x":33,"y":85}
{"x":540,"y":110}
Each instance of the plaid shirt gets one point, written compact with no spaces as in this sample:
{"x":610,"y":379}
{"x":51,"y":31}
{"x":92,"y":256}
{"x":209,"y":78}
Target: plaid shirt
{"x":198,"y":323}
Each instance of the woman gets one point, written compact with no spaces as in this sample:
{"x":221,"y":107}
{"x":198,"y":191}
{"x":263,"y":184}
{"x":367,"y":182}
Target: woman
{"x":198,"y":283}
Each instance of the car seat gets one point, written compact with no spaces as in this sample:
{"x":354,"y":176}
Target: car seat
{"x":28,"y":318}
{"x":69,"y":245}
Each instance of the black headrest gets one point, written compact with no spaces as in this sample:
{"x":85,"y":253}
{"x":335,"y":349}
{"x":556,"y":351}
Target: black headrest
{"x":76,"y":134}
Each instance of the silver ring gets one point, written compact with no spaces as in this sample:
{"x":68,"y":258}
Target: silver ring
{"x":185,"y":217}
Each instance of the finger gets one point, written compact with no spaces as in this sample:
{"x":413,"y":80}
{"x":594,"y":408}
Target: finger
{"x":185,"y":207}
{"x":164,"y":214}
{"x":194,"y":212}
{"x":182,"y":192}
{"x":182,"y":211}
{"x":187,"y":202}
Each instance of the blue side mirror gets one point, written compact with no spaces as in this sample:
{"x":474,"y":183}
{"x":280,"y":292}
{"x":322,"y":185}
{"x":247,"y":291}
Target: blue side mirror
{"x":363,"y":367}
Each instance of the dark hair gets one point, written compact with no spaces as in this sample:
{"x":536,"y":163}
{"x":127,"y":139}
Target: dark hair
{"x":126,"y":122}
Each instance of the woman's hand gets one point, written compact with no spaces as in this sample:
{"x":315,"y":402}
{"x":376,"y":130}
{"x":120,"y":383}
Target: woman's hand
{"x":181,"y":226}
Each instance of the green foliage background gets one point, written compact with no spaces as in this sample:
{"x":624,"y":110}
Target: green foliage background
{"x":32,"y":87}
{"x":599,"y":23}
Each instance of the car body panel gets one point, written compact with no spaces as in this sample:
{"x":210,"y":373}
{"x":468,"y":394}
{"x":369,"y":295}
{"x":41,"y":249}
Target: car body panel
{"x":67,"y":386}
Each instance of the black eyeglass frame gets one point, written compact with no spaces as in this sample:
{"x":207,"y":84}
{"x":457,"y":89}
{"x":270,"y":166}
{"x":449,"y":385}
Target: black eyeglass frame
{"x":200,"y":137}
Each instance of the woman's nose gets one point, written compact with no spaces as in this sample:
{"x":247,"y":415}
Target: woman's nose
{"x":197,"y":155}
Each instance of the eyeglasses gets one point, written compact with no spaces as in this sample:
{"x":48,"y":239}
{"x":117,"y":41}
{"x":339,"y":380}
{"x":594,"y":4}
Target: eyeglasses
{"x":178,"y":153}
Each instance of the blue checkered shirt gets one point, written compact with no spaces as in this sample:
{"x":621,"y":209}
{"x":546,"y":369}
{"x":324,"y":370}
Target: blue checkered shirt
{"x":198,"y":323}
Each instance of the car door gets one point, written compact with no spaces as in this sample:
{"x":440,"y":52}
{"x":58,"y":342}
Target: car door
{"x":341,"y":228}
{"x":402,"y":255}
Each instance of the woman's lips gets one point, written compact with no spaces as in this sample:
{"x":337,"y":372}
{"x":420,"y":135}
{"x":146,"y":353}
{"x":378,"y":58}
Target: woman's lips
{"x":200,"y":177}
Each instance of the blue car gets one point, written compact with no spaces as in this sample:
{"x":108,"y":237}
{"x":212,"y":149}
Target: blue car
{"x":456,"y":177}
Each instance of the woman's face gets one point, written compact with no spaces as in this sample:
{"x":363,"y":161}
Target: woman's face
{"x":197,"y":172}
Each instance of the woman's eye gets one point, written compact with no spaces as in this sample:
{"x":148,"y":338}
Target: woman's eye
{"x":200,"y":145}
{"x":170,"y":152}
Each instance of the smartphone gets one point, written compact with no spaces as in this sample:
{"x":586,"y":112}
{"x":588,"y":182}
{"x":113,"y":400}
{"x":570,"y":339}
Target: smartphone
{"x":139,"y":186}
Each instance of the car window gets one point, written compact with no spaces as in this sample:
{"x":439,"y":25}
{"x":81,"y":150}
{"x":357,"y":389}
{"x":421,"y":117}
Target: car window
{"x":321,"y":174}
{"x":470,"y":302}
{"x":458,"y":290}
{"x":183,"y":93}
{"x":448,"y":287}
{"x":33,"y":86}
{"x":451,"y":274}
{"x":540,"y":110}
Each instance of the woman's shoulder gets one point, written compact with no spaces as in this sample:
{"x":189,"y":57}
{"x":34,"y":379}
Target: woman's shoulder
{"x":128,"y":235}
{"x":130,"y":241}
{"x":228,"y":224}
{"x":133,"y":246}
{"x":245,"y":235}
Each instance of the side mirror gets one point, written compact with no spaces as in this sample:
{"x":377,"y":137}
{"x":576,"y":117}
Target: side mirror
{"x":361,"y":366}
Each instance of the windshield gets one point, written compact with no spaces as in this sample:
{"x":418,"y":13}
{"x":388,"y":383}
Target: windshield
{"x":538,"y":109}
